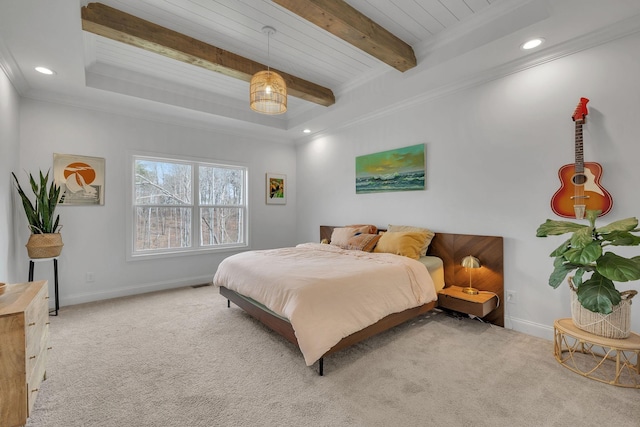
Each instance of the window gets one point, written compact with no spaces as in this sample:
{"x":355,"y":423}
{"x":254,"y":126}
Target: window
{"x":183,"y":206}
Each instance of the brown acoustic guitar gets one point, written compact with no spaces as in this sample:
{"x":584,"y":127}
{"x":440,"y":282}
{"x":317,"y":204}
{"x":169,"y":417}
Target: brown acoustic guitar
{"x":580,"y":182}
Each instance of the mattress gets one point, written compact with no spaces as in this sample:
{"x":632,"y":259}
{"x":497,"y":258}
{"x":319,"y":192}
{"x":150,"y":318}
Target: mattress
{"x":325,"y":292}
{"x":435,"y":267}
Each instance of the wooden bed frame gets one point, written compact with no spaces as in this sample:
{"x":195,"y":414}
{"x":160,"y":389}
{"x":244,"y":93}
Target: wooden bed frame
{"x":451,"y":248}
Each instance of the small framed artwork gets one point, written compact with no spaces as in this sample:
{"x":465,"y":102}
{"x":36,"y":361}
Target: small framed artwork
{"x":81,"y":179}
{"x":276,"y":189}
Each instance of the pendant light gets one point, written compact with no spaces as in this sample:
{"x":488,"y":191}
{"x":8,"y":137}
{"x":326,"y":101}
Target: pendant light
{"x":268,"y":90}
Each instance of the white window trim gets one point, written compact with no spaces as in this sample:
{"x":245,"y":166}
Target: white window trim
{"x":196,"y":249}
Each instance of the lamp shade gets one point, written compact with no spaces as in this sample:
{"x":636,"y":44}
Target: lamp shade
{"x":470,"y":262}
{"x":268,"y":93}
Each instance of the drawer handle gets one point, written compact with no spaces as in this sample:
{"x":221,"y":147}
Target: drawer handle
{"x":48,"y":323}
{"x":35,"y":390}
{"x":47,"y":297}
{"x":49,"y":348}
{"x":33,"y":357}
{"x":32,"y":324}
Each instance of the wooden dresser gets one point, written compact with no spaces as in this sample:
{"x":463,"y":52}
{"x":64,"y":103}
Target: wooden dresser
{"x":24,"y":338}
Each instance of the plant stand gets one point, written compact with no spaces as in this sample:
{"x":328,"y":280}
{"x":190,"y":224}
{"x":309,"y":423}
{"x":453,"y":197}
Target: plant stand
{"x":608,"y":360}
{"x":32,"y":262}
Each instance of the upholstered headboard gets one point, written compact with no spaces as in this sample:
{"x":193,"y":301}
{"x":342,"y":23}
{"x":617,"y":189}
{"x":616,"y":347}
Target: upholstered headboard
{"x":451,"y":248}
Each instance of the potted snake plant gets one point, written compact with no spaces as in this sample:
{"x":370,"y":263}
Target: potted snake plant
{"x":588,"y":260}
{"x":45,"y":240}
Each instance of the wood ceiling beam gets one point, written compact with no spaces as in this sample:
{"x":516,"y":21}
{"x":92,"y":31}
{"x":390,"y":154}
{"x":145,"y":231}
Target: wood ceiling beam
{"x":114,"y":24}
{"x":345,"y":22}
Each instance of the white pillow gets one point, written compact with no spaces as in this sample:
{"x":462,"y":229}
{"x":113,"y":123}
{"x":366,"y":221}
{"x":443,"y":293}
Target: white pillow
{"x":341,"y":235}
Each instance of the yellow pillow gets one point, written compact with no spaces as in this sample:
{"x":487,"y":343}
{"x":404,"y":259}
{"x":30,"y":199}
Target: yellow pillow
{"x":427,"y":240}
{"x":402,"y":243}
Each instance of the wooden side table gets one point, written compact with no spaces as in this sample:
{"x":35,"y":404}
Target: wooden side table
{"x":608,"y":360}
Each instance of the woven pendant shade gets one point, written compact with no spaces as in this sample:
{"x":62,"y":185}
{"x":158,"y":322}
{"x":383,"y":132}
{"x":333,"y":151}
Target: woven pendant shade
{"x":268,"y":93}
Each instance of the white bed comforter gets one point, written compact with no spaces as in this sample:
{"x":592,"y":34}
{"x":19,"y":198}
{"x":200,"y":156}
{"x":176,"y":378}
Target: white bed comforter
{"x":327,"y":293}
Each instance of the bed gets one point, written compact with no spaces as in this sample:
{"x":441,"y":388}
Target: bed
{"x":342,"y":297}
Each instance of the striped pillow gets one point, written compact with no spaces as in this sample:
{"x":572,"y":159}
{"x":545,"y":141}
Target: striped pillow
{"x":363,"y":242}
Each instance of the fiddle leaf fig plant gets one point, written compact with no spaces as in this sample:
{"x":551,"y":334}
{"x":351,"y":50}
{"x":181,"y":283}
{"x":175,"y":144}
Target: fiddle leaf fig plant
{"x":589,"y":252}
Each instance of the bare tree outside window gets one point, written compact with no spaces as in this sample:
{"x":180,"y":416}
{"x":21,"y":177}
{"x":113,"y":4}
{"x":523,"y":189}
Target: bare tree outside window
{"x":221,"y":205}
{"x":164,"y":207}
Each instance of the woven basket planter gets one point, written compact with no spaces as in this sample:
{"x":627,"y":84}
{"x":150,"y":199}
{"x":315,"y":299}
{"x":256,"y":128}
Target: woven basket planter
{"x":616,"y":324}
{"x":44,"y":245}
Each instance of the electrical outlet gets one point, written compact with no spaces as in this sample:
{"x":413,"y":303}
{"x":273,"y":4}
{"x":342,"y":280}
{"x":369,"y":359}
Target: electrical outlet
{"x":511,"y":296}
{"x":89,"y":277}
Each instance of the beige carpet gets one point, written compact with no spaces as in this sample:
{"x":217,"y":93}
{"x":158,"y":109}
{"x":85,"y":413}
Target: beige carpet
{"x":182,"y":358}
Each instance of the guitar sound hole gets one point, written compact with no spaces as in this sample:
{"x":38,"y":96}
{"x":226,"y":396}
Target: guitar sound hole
{"x":579,"y":179}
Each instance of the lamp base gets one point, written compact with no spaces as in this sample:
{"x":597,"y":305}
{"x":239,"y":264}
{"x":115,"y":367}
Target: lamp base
{"x":470,"y":291}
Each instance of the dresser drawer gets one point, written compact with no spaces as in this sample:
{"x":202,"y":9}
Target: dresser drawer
{"x":35,"y":347}
{"x":37,"y":329}
{"x":37,"y":312}
{"x":24,"y":331}
{"x":36,"y":377}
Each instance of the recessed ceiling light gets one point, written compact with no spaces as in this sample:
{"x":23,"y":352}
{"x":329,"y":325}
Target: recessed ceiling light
{"x":307,"y":131}
{"x":532,"y":44}
{"x":45,"y":70}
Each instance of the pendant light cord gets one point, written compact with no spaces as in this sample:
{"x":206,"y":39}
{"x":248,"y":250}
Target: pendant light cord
{"x":268,"y":50}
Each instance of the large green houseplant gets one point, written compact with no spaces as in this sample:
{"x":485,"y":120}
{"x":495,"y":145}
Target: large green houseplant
{"x":588,"y":252}
{"x":45,"y":240}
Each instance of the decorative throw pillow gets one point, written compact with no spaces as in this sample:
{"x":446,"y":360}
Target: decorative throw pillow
{"x":370,"y":229}
{"x":363,"y":242}
{"x":407,"y":244}
{"x":341,"y":235}
{"x":427,"y":241}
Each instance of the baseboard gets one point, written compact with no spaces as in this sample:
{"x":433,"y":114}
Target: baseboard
{"x":521,"y":325}
{"x":135,"y":290}
{"x":530,"y":328}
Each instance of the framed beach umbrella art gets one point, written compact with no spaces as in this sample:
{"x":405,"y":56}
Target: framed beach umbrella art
{"x":401,"y":169}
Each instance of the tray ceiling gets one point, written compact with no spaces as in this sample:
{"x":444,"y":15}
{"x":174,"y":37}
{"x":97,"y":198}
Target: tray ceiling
{"x":452,"y":40}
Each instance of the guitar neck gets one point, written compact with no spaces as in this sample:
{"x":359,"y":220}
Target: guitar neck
{"x":579,"y":164}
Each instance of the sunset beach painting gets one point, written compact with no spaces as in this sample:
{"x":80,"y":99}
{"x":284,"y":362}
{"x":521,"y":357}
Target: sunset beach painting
{"x":401,"y":169}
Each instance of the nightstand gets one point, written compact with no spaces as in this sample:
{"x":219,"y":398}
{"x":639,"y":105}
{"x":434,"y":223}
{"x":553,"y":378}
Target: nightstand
{"x":480,"y":305}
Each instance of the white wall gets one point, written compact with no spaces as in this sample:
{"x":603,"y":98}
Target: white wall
{"x":9,"y":140}
{"x":94,"y":236}
{"x":493,"y":153}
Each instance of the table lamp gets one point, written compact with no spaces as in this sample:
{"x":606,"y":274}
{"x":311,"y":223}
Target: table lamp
{"x":470,"y":262}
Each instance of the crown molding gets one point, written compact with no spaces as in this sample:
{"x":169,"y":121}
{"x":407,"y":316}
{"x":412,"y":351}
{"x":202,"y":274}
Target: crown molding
{"x":10,"y":67}
{"x":516,"y":10}
{"x":203,"y":121}
{"x":596,"y":38}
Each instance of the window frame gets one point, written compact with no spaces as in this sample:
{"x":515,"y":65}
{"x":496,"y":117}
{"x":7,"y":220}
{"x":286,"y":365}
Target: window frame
{"x":196,"y":247}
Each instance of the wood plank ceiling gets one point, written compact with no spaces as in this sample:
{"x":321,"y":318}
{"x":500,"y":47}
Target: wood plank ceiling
{"x":335,"y":16}
{"x":345,"y":22}
{"x":349,"y":42}
{"x":108,"y":22}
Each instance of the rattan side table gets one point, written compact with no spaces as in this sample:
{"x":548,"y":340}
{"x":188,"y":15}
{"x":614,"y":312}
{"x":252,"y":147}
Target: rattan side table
{"x":608,"y":360}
